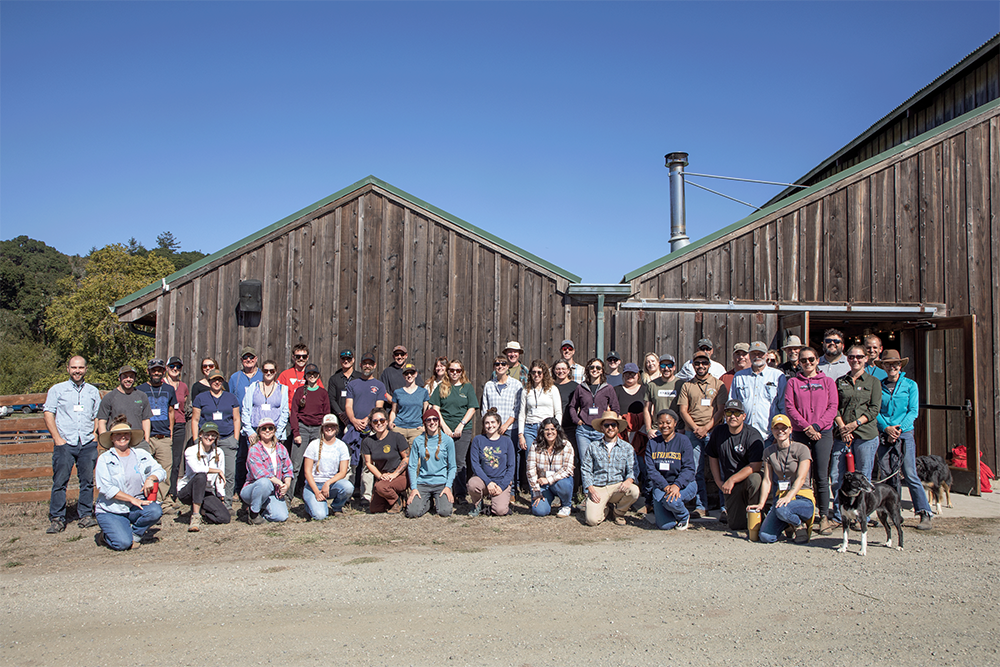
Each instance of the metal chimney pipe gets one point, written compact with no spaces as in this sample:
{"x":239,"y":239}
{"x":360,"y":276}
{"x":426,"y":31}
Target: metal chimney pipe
{"x":678,"y":226}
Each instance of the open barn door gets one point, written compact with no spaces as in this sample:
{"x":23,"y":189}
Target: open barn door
{"x":946,"y":370}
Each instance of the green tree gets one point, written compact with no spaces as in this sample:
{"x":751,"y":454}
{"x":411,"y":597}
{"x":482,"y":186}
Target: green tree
{"x":30,"y":272}
{"x":82,"y":323}
{"x":167,"y":241}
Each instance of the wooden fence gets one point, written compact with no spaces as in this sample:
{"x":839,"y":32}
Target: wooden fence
{"x":26,"y":456}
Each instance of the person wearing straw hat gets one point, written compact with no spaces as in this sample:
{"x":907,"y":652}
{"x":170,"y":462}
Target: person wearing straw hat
{"x":126,"y":477}
{"x":900,"y":406}
{"x":608,"y":472}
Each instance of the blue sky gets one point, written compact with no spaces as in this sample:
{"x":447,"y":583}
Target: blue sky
{"x":543,"y":123}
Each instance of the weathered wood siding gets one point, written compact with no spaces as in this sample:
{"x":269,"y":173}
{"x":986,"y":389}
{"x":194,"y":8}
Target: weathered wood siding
{"x":919,"y":227}
{"x":368,"y":272}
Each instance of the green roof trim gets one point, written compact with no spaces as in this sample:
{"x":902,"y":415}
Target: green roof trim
{"x":788,"y":201}
{"x":370,"y":180}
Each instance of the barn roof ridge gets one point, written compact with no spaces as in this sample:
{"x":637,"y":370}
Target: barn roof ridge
{"x":895,"y":113}
{"x":839,"y":176}
{"x":368,"y":180}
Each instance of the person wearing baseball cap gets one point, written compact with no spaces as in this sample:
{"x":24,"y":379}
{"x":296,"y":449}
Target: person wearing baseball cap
{"x":786,"y":472}
{"x":567,"y":349}
{"x":613,"y":372}
{"x":220,"y":407}
{"x":125,"y":400}
{"x":741,"y":361}
{"x":162,"y":399}
{"x":269,"y":477}
{"x":364,"y":394}
{"x":337,"y":384}
{"x":307,"y":408}
{"x":178,"y":439}
{"x":203,"y":484}
{"x":715,"y":369}
{"x":408,"y":404}
{"x":662,"y":393}
{"x":760,"y":388}
{"x":392,"y":376}
{"x":735,"y":452}
{"x":327,"y":466}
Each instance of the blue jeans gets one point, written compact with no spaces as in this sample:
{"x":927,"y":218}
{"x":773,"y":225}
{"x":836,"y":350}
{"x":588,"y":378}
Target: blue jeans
{"x":340,"y":492}
{"x":121,"y":530}
{"x":586,"y":436}
{"x":262,"y":498}
{"x":698,"y":445}
{"x":530,"y":433}
{"x":864,"y":459}
{"x":562,"y":488}
{"x":669,"y":513}
{"x":909,"y":474}
{"x":63,"y":458}
{"x":792,"y":514}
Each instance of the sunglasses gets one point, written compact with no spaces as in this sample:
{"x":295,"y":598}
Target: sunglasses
{"x":175,"y":366}
{"x":667,"y":365}
{"x":536,"y":372}
{"x":832,"y":340}
{"x":270,"y":371}
{"x":610,"y":425}
{"x":807,"y":360}
{"x":249,"y":356}
{"x":699,"y":363}
{"x":704,"y":349}
{"x":343,"y":359}
{"x":733,"y":413}
{"x":431,"y":420}
{"x":399,"y":354}
{"x":301,"y":356}
{"x":208,"y":365}
{"x":378,"y":421}
{"x":409,"y":373}
{"x":267,"y":428}
{"x":454,"y":370}
{"x":595,"y":367}
{"x":857,"y":357}
{"x":499,"y":364}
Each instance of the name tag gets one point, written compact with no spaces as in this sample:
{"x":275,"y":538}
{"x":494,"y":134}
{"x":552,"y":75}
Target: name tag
{"x":593,"y":411}
{"x":706,"y":402}
{"x":266,"y":407}
{"x":665,"y":393}
{"x":177,"y":406}
{"x":663,"y":465}
{"x":783,"y":485}
{"x":77,"y":408}
{"x":217,"y":416}
{"x":156,"y":412}
{"x":343,"y":394}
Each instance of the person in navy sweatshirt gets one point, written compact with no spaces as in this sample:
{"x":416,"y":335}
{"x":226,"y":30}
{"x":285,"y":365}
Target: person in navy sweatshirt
{"x":670,"y":473}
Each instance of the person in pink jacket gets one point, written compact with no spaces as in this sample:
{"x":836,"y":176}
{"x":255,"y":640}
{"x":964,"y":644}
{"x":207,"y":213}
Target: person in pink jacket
{"x":811,"y":404}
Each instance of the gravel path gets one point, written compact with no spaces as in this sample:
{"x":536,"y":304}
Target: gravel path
{"x":518,"y":591}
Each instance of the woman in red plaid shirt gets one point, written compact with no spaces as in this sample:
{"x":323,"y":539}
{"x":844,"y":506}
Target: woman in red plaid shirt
{"x":269,"y":474}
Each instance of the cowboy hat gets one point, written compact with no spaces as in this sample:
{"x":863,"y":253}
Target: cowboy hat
{"x":891,"y":355}
{"x":105,"y":438}
{"x":609,"y":415}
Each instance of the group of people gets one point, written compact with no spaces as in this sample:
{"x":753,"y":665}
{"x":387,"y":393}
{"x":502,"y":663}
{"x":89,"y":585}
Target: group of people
{"x":769,"y":434}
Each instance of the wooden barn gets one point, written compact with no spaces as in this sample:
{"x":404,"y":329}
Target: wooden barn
{"x":898,"y":234}
{"x":367,"y":268}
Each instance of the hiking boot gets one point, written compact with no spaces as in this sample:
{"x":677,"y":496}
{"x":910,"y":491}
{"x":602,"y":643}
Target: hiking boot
{"x":724,"y":518}
{"x":697,"y":514}
{"x":476,"y":509}
{"x":789,"y":532}
{"x":254,"y":518}
{"x":56,"y":526}
{"x":825,"y":526}
{"x":802,"y":534}
{"x":619,"y":521}
{"x":925,"y":522}
{"x":651,"y":518}
{"x":397,"y":506}
{"x":87,"y":522}
{"x":195,"y":524}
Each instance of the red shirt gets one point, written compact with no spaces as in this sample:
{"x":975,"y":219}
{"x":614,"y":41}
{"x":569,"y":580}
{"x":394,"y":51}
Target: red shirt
{"x":293,"y":378}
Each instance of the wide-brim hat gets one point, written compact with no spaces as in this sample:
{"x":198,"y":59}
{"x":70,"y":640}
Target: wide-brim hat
{"x":609,"y":415}
{"x":892,"y":355}
{"x":513,"y":345}
{"x":105,"y":438}
{"x":792,"y":341}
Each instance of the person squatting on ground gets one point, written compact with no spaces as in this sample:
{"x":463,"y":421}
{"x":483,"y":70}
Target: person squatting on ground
{"x":786,"y":472}
{"x":326,"y":465}
{"x":671,"y":473}
{"x":203,"y":485}
{"x":608,"y":472}
{"x":269,"y":477}
{"x":550,"y":470}
{"x":126,"y":477}
{"x":493,"y":463}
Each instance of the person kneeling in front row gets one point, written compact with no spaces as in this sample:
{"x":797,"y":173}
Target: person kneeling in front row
{"x":431,"y":469}
{"x":786,"y":469}
{"x":327,"y":462}
{"x":550,"y":470}
{"x":126,"y":477}
{"x":607,"y":471}
{"x":671,"y":472}
{"x":269,"y":476}
{"x":204,"y":481}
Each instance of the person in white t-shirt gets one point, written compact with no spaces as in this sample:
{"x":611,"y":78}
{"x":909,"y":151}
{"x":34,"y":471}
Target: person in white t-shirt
{"x":326,"y":464}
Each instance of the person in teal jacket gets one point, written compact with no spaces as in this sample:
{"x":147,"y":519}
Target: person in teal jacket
{"x":900,"y":406}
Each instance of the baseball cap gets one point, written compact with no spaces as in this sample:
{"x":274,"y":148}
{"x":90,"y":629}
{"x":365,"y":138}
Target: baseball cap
{"x":310,"y":368}
{"x":175,"y":361}
{"x":705,"y":342}
{"x":568,"y":341}
{"x":630,"y":368}
{"x":758,"y":346}
{"x":614,"y":355}
{"x":734,"y":404}
{"x":780,"y":419}
{"x":741,"y":347}
{"x":125,"y":369}
{"x":347,"y":353}
{"x":247,"y":349}
{"x":155,"y":363}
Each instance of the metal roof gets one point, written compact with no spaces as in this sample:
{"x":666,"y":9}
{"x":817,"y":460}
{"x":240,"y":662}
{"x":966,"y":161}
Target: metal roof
{"x":839,"y":176}
{"x":893,"y":115}
{"x":370,"y":180}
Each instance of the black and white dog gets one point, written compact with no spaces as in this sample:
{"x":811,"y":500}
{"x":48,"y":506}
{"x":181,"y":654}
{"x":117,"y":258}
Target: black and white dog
{"x":858,"y":498}
{"x":935,"y":475}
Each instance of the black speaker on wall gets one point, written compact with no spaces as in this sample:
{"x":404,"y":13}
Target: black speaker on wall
{"x":251,"y":300}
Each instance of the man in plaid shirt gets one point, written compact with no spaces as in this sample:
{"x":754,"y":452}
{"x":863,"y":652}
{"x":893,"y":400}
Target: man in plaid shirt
{"x":608,"y":473}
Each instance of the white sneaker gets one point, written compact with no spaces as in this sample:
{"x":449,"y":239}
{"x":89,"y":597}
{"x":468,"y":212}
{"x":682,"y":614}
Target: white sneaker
{"x":684,"y":524}
{"x":563,"y":512}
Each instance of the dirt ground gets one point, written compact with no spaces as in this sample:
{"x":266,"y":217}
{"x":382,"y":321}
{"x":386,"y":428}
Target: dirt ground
{"x":510,"y":590}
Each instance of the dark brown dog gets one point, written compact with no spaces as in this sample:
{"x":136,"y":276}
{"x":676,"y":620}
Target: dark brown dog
{"x":935,"y":475}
